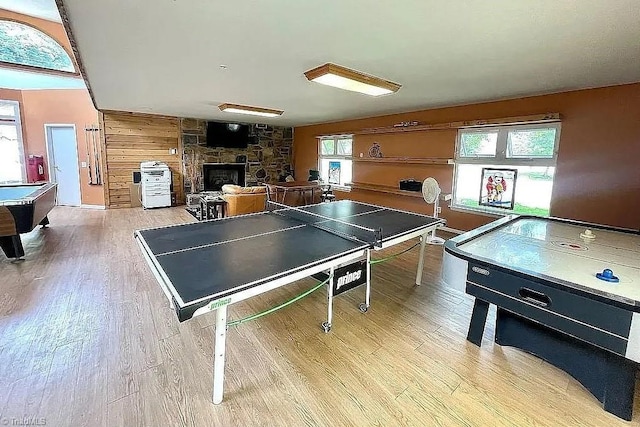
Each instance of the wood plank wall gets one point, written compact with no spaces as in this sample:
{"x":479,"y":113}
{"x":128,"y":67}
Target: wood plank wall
{"x":131,"y":138}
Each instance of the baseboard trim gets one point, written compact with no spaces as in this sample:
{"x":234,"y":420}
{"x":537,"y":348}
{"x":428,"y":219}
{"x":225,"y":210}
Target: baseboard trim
{"x":100,"y":207}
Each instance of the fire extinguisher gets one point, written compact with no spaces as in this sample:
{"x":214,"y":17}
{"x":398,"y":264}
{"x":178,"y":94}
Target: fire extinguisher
{"x":35,"y":168}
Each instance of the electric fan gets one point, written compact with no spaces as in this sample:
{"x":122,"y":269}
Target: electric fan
{"x":431,"y":193}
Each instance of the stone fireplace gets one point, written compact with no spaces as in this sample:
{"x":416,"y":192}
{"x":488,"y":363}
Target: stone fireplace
{"x":267,"y":159}
{"x":215,"y":175}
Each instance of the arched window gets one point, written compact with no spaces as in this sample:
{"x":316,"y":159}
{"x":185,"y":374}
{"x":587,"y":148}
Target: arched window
{"x":24,"y":45}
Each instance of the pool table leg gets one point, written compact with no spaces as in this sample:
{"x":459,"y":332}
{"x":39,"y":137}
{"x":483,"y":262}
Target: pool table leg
{"x":44,"y":222}
{"x":12,"y":246}
{"x":478,"y":320}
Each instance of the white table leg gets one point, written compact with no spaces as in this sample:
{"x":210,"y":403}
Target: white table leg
{"x":326,"y":326}
{"x":423,"y":244}
{"x":218,"y":357}
{"x":367,"y":297}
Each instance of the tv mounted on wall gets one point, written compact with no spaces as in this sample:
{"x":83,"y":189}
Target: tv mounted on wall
{"x":229,"y":135}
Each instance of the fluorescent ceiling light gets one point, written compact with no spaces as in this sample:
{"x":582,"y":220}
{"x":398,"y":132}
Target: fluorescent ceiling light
{"x":245,"y":109}
{"x":345,"y":78}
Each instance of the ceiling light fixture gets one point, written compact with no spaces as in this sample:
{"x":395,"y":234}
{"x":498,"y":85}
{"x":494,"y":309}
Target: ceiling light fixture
{"x":345,"y":78}
{"x":245,"y":109}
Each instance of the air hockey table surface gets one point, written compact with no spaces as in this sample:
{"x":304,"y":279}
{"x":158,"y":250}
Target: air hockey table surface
{"x":555,"y":250}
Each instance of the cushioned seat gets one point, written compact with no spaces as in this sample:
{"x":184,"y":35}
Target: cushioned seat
{"x":244,"y":200}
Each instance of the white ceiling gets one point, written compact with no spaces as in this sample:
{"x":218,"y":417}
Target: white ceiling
{"x":45,"y":9}
{"x":164,"y":56}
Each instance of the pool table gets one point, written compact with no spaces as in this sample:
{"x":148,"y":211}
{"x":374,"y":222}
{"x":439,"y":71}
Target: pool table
{"x":22,"y":208}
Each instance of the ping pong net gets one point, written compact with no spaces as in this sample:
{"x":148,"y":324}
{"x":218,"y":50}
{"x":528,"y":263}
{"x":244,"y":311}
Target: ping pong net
{"x":338,"y":226}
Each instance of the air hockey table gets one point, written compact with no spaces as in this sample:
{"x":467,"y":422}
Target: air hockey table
{"x":565,"y":291}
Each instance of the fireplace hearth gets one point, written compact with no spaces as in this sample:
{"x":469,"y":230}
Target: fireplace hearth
{"x":217,"y":174}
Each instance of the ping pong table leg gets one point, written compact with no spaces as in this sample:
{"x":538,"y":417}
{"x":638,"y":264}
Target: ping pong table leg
{"x":423,"y":244}
{"x":218,"y":357}
{"x":326,"y":326}
{"x":367,"y":297}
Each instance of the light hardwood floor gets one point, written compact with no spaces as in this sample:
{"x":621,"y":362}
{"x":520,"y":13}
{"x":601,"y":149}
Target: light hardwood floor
{"x":87,"y":338}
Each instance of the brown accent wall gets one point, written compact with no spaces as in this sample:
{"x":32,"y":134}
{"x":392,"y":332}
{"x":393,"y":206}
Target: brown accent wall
{"x":597,"y":176}
{"x":130,"y":139}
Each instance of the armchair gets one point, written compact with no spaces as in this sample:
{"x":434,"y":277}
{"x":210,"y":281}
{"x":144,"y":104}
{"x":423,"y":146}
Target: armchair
{"x":244,"y":200}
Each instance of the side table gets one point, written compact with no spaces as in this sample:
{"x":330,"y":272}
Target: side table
{"x":212,"y":207}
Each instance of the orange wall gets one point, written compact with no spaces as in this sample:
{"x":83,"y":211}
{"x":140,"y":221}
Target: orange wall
{"x":598,"y":170}
{"x":11,"y":95}
{"x":64,"y":106}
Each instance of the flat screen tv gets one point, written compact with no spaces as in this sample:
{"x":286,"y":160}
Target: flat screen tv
{"x":230,"y":135}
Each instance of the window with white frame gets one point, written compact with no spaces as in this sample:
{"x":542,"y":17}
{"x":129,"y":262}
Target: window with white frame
{"x":11,"y":150}
{"x":521,"y":158}
{"x":335,"y":162}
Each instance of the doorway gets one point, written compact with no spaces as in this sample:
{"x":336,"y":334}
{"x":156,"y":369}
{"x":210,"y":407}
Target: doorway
{"x":62,"y":152}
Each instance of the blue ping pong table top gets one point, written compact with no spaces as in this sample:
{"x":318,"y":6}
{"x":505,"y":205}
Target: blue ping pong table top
{"x":213,"y":259}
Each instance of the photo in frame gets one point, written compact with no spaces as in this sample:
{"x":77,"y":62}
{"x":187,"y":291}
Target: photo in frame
{"x":334,"y":173}
{"x":497,"y":188}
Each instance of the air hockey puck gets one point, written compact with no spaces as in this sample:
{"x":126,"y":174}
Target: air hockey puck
{"x":607,"y":276}
{"x":587,"y":235}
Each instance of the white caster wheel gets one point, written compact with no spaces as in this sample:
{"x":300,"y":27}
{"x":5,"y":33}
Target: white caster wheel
{"x":363,"y":307}
{"x":326,"y":327}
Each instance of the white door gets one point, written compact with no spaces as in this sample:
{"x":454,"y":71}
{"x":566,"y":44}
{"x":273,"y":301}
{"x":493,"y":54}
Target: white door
{"x":63,"y":163}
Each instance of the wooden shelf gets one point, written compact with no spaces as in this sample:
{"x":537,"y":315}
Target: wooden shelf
{"x":535,"y":118}
{"x":530,"y":119}
{"x":385,"y":189}
{"x":405,"y":160}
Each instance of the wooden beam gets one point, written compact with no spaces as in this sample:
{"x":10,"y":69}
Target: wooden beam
{"x":74,"y":47}
{"x":103,"y":160}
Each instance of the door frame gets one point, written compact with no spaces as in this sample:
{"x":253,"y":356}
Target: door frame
{"x":47,"y":140}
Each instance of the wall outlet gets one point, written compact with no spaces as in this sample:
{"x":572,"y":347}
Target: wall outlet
{"x":439,"y":210}
{"x":173,"y":151}
{"x":83,"y":164}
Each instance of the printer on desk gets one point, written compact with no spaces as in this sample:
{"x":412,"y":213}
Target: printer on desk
{"x":155,"y":182}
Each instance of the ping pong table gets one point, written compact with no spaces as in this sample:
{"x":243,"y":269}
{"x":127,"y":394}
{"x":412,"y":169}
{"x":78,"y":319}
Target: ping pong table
{"x":201,"y":267}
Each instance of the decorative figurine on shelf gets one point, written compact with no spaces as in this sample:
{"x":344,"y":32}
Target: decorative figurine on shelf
{"x":374,"y":151}
{"x":406,"y":124}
